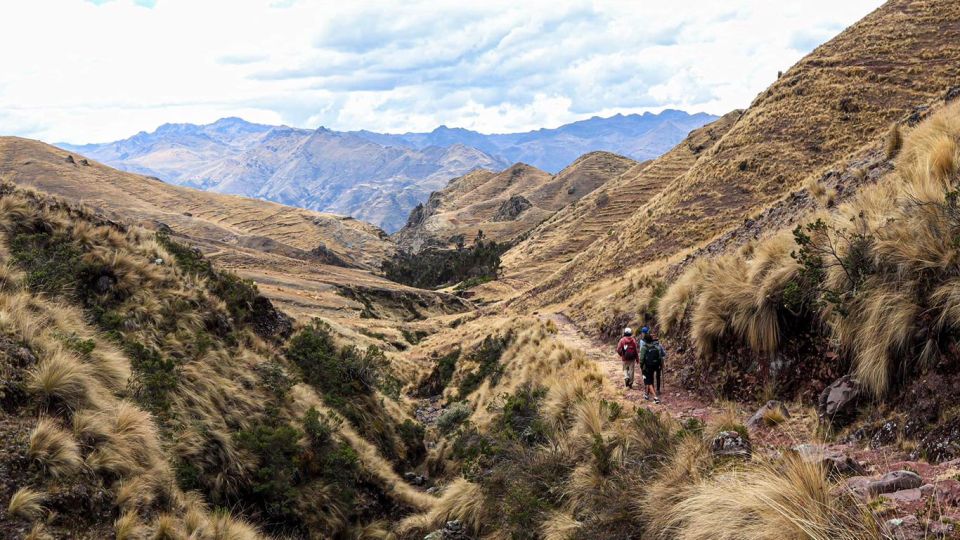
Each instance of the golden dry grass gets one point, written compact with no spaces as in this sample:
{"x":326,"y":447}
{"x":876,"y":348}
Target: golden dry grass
{"x":787,"y":500}
{"x":907,"y":222}
{"x":54,"y":448}
{"x":26,"y":503}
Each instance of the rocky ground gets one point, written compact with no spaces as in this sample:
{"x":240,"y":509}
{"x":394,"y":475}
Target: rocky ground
{"x":913,"y":498}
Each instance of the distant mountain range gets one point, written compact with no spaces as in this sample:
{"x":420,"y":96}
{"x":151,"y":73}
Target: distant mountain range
{"x":376,"y":177}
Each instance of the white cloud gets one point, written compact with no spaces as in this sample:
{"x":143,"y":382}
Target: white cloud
{"x":91,"y":71}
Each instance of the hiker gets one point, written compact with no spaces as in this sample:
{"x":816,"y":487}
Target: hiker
{"x":652,"y":357}
{"x":628,"y":349}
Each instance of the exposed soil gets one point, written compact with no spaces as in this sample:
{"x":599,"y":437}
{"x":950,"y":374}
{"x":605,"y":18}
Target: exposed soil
{"x":930,"y":510}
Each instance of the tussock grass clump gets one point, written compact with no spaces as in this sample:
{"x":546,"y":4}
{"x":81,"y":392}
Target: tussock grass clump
{"x":791,"y":499}
{"x":872,"y":271}
{"x":26,"y":503}
{"x":54,"y":448}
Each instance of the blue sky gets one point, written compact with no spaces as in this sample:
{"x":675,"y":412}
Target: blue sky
{"x":104,"y":69}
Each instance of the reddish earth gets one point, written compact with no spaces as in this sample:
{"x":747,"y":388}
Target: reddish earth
{"x":929,"y":510}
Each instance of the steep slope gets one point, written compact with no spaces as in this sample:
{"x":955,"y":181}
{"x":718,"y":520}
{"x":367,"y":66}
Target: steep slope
{"x":311,"y":263}
{"x":137,"y":396}
{"x":809,"y":122}
{"x":504,"y":205}
{"x":599,"y":213}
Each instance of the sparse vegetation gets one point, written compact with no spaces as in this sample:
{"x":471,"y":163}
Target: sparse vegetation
{"x":434,"y":268}
{"x":847,"y":270}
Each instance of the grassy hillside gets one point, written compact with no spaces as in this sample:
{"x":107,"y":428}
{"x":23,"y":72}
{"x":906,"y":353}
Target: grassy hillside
{"x":504,"y":205}
{"x":144,"y":391}
{"x":310,"y":264}
{"x":810,"y":123}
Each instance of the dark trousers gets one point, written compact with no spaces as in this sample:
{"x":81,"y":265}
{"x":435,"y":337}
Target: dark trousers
{"x":652,"y":377}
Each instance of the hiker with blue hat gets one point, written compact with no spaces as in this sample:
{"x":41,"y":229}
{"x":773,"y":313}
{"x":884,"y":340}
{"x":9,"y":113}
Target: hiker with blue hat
{"x":651,"y":356}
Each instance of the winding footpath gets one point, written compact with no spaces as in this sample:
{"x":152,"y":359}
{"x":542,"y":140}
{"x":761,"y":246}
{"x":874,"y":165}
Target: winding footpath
{"x":675,"y":401}
{"x":915,"y":499}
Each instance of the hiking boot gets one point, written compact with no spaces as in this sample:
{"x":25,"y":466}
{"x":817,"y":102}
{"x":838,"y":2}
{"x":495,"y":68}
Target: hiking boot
{"x":646,"y":396}
{"x":656,"y":400}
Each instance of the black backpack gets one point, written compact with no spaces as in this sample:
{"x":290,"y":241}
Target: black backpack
{"x":652,"y":357}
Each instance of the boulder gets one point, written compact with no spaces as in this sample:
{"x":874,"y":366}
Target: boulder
{"x":69,"y":159}
{"x":838,"y":402}
{"x":885,"y":435}
{"x":453,"y":530}
{"x":894,"y":481}
{"x":942,"y":443}
{"x":834,"y":462}
{"x":771,"y":407}
{"x":731,"y":444}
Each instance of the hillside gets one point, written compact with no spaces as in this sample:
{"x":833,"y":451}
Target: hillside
{"x":147,"y":394}
{"x":810,"y":124}
{"x":375,"y":177}
{"x":504,"y":205}
{"x":310,"y":263}
{"x":600,"y":213}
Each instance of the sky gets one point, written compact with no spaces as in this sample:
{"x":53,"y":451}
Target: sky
{"x":83,"y":71}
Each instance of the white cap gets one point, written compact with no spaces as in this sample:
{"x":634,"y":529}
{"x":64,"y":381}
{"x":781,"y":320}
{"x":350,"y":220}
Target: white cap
{"x":627,"y":331}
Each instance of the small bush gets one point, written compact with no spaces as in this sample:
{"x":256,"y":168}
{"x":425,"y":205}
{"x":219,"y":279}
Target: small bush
{"x":488,"y":355}
{"x":339,"y":373}
{"x":453,"y":417}
{"x":273,"y":483}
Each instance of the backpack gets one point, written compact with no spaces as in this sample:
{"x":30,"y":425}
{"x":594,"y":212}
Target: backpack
{"x":652,"y":356}
{"x":630,"y":353}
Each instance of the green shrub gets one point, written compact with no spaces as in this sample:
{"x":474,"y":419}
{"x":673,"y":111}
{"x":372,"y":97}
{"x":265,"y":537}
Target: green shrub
{"x":155,"y":376}
{"x":50,"y":261}
{"x":520,"y":418}
{"x":273,"y":483}
{"x":339,"y":373}
{"x":488,"y":355}
{"x":454,"y":416}
{"x":432,"y":268}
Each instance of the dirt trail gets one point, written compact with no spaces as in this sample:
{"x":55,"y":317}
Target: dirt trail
{"x":675,"y":401}
{"x":930,"y":511}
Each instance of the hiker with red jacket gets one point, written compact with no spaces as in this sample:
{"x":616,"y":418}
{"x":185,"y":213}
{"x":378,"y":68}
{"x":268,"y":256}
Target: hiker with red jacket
{"x":629,"y":351}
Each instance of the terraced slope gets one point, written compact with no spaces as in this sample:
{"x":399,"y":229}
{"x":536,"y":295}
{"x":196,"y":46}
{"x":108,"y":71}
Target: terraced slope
{"x":303,"y":260}
{"x":558,"y":239}
{"x":507,"y":204}
{"x":809,"y":122}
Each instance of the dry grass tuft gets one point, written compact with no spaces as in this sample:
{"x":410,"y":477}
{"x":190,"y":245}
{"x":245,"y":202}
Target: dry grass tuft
{"x":462,"y":500}
{"x":62,"y":376}
{"x":38,"y":532}
{"x":54,"y":448}
{"x":129,"y":527}
{"x":789,"y":500}
{"x":26,"y":503}
{"x":894,"y":141}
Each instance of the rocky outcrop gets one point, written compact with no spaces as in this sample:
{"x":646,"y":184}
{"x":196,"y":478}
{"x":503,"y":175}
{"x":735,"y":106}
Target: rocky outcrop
{"x":511,"y":208}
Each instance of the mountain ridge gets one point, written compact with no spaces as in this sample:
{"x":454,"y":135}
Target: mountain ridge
{"x":376,"y":177}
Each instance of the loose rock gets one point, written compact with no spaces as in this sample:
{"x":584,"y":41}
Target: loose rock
{"x":731,"y":444}
{"x":773,"y":406}
{"x":838,"y":402}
